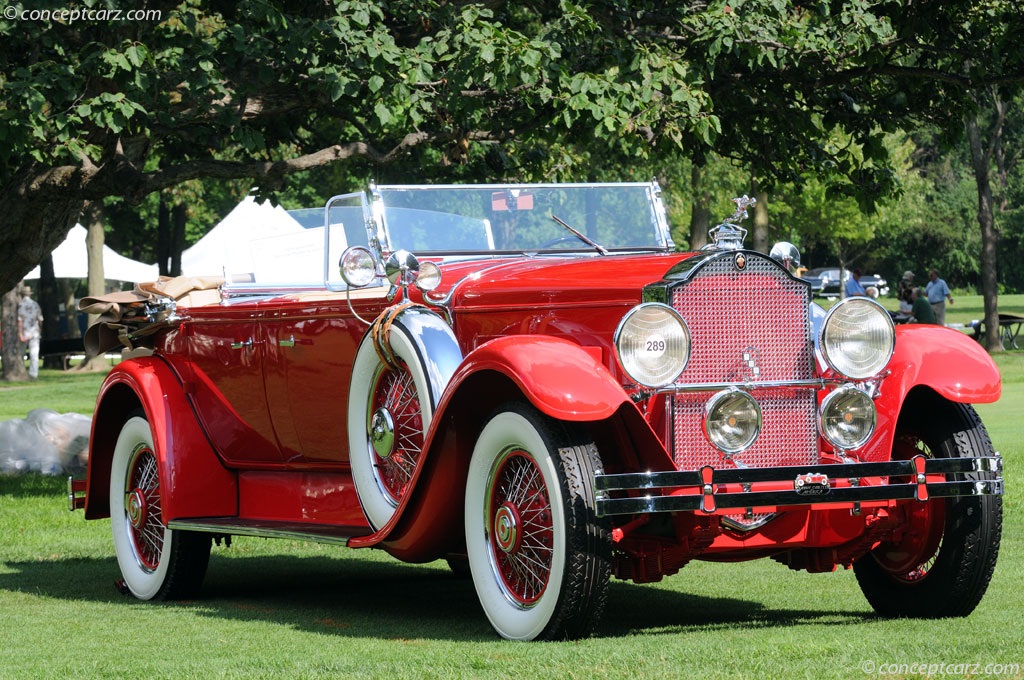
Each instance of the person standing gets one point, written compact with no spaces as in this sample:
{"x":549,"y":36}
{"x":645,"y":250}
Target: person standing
{"x":921,"y":312}
{"x":853,"y":287}
{"x":938,"y":293}
{"x":30,"y":323}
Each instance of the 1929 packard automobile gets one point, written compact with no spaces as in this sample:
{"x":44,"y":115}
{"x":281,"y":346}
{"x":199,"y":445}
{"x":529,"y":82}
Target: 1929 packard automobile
{"x":528,"y":380}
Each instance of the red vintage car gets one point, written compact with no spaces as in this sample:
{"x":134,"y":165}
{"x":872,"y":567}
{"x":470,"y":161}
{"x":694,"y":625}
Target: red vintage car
{"x":530,"y":382}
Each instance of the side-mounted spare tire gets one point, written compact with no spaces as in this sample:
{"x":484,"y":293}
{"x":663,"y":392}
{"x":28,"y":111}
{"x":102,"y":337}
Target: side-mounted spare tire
{"x":402,"y":367}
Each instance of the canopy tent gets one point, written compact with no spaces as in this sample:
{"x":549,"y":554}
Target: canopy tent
{"x":71,"y":261}
{"x":229,"y":248}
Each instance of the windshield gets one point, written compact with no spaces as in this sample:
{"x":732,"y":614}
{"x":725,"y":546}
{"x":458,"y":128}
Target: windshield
{"x":521,"y":218}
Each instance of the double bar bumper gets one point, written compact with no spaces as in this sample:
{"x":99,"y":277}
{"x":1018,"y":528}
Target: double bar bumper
{"x":705,"y":491}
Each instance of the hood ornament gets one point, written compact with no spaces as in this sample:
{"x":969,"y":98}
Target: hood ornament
{"x":729,"y":235}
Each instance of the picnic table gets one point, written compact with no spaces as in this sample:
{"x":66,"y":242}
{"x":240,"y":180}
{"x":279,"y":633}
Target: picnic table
{"x":1009,"y":329}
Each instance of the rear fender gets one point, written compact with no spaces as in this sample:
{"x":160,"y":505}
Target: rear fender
{"x":561,"y":380}
{"x":934,"y":358}
{"x":193,"y":481}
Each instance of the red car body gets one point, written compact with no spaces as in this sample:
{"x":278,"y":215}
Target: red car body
{"x":253,"y":399}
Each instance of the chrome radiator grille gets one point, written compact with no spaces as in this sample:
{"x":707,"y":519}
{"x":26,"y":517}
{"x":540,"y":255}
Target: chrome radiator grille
{"x":747,"y":325}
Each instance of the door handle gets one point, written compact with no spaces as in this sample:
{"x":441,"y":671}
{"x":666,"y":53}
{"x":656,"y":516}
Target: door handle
{"x":242,"y":345}
{"x":290,"y":342}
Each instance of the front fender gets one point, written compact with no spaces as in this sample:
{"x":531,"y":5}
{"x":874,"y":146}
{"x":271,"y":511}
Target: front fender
{"x":939,"y":359}
{"x":559,"y":377}
{"x":947,"y":361}
{"x":193,"y":481}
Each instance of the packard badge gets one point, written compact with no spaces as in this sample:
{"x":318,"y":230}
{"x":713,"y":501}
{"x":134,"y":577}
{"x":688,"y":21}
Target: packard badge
{"x":741,"y":261}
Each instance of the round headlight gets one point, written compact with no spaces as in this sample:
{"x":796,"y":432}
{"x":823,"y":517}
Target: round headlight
{"x":653,"y":344}
{"x":357,"y":266}
{"x":732,"y":420}
{"x":857,"y":338}
{"x":847,"y":417}
{"x":429,"y":277}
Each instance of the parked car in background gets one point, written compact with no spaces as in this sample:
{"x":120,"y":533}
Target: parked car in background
{"x":829,"y":283}
{"x":530,"y":382}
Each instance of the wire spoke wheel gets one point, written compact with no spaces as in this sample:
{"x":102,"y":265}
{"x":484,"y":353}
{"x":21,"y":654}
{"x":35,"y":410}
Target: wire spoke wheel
{"x":939,"y":559}
{"x":395,"y":429}
{"x":156,"y":563}
{"x":539,"y":556}
{"x":521,"y":532}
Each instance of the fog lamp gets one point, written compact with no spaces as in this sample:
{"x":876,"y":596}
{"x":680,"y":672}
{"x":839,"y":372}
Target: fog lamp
{"x":847,"y":417}
{"x":732,"y":420}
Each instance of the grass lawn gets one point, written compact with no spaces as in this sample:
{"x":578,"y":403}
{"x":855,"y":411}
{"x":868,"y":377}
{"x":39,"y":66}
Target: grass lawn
{"x":288,"y":609}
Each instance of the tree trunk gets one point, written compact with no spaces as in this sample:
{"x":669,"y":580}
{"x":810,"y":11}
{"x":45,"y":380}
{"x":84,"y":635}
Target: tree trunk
{"x":97,"y":279}
{"x":34,"y":219}
{"x":760,"y":225}
{"x":980,"y":160}
{"x":49,"y":302}
{"x":163,"y":237}
{"x":700,"y":217}
{"x":13,"y":349}
{"x":179,"y":216}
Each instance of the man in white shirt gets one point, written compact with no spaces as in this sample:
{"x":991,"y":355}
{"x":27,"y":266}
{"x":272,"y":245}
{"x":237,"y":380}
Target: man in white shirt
{"x":30,"y":323}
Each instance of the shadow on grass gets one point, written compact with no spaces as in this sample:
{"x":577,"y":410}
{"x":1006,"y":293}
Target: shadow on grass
{"x":356,"y":597}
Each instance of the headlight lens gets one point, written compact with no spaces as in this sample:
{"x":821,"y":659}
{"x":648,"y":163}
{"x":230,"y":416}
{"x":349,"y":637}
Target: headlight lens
{"x":430,"y":276}
{"x":847,"y":417}
{"x":857,"y":338}
{"x":653,"y":344}
{"x":732,"y":420}
{"x":357,"y":267}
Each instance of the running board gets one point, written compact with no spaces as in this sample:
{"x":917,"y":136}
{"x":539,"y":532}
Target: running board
{"x":233,"y":526}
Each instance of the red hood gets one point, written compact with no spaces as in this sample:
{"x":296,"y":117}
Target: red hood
{"x":548,"y":281}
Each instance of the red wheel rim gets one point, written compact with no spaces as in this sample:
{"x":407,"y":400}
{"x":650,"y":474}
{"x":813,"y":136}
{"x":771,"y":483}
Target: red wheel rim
{"x":395,"y":394}
{"x":912,"y":555}
{"x":142,"y":508}
{"x":519,"y":528}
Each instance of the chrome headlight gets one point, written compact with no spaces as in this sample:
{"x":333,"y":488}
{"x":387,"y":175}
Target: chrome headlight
{"x":430,"y":276}
{"x":847,"y":417}
{"x":732,"y":420}
{"x":357,"y":266}
{"x":857,"y":338}
{"x":653,"y":344}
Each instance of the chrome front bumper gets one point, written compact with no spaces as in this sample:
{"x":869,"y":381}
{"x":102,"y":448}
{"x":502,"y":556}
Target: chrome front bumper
{"x":708,"y":490}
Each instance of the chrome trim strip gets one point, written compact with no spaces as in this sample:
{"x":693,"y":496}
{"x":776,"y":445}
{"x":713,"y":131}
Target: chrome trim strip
{"x":637,"y":481}
{"x":814,"y":383}
{"x":708,"y":503}
{"x":318,"y":533}
{"x":705,"y":482}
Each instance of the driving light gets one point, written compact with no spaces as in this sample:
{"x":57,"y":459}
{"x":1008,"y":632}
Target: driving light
{"x":653,"y":344}
{"x":732,"y":420}
{"x":357,"y":267}
{"x":857,"y":338}
{"x":847,"y":417}
{"x":429,"y":277}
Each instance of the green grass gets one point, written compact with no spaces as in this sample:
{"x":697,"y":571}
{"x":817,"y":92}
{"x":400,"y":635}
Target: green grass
{"x":289,"y":609}
{"x":61,"y":391}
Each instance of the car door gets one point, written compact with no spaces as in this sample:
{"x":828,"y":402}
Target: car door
{"x":226,"y":351}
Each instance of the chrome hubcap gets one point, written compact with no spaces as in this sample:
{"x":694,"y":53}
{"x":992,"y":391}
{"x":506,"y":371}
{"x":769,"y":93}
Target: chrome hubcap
{"x":135,"y":507}
{"x":506,"y":528}
{"x":382,"y":432}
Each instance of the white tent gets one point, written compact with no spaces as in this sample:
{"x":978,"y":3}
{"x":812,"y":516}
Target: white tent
{"x":71,"y":261}
{"x":227,"y":250}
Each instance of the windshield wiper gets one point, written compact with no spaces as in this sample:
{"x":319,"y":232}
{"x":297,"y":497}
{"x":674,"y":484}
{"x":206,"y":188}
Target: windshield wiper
{"x":586,"y":239}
